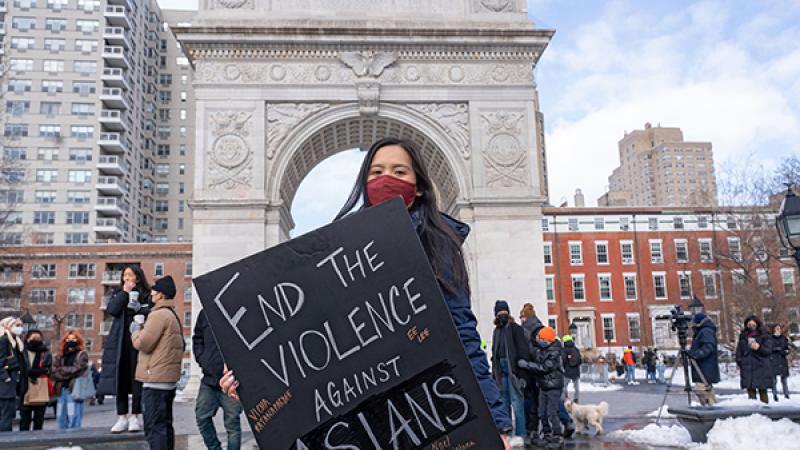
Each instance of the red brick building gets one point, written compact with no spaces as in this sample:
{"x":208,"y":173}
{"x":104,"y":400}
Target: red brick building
{"x":616,"y":273}
{"x":67,"y":287}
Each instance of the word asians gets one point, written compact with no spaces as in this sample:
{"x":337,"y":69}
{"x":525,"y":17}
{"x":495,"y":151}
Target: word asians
{"x":411,"y":415}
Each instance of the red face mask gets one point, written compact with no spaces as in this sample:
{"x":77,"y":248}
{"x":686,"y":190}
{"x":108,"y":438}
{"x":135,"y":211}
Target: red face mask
{"x":386,"y":187}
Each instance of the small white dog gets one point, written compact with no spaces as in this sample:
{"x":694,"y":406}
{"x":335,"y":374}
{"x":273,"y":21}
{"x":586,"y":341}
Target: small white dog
{"x":586,"y":415}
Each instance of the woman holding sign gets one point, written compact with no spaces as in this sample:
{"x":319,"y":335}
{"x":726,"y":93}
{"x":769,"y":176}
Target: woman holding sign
{"x":119,"y":356}
{"x":392,"y":168}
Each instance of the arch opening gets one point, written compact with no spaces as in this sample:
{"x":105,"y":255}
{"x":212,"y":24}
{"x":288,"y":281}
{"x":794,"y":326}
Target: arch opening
{"x":360,"y":133}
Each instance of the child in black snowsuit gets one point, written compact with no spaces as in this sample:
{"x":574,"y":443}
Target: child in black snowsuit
{"x":548,"y":368}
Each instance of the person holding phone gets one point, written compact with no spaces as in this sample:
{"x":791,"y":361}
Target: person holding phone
{"x":119,"y":356}
{"x":752,"y":356}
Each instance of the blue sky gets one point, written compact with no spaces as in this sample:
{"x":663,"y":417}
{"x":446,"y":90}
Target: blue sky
{"x":727,"y":72}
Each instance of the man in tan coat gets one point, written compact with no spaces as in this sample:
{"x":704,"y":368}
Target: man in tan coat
{"x":161,"y":346}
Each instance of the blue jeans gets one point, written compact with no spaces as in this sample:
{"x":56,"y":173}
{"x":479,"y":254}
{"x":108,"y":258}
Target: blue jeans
{"x":630,"y":373}
{"x":513,"y":398}
{"x":69,"y":412}
{"x":661,"y":368}
{"x":209,"y":400}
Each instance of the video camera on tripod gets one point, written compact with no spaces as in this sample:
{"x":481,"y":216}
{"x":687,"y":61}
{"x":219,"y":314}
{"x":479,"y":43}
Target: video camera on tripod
{"x":680,"y":323}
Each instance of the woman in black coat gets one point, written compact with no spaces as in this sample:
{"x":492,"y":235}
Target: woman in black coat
{"x":752,"y":357}
{"x":40,"y":362}
{"x":778,"y":359}
{"x":119,"y":356}
{"x":13,"y":371}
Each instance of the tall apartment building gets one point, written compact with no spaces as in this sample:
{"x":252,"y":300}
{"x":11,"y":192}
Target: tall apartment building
{"x":96,"y":122}
{"x":658,"y":168}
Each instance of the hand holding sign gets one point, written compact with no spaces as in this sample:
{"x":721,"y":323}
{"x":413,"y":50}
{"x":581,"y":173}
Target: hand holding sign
{"x":340,"y":340}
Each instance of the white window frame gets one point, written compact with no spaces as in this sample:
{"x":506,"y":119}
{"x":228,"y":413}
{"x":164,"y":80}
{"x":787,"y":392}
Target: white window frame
{"x":700,"y":243}
{"x":688,"y":276}
{"x":735,"y":251}
{"x":551,"y":279}
{"x":685,"y":242}
{"x":632,"y":259}
{"x":626,"y":276}
{"x":579,"y":261}
{"x":600,"y":277}
{"x":582,"y":278}
{"x":638,"y":318}
{"x":663,"y":276}
{"x":548,"y":251}
{"x":788,"y":273}
{"x":603,"y":318}
{"x":713,"y":275}
{"x":554,"y":320}
{"x":653,"y":258}
{"x":597,"y":244}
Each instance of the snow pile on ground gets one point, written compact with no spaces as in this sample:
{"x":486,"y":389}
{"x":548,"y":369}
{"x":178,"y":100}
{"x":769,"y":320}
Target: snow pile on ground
{"x":657,"y":435}
{"x":751,"y":432}
{"x":728,"y":434}
{"x":743,"y":400}
{"x":664,"y":413}
{"x":591,"y":387}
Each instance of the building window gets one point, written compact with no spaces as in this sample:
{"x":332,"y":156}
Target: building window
{"x":40,"y":238}
{"x":608,"y":328}
{"x":575,"y":253}
{"x":11,"y":238}
{"x":87,"y":26}
{"x":709,"y":284}
{"x":626,"y":249}
{"x":76,"y":238}
{"x":16,"y":130}
{"x":23,"y":23}
{"x":79,"y":296}
{"x":18,"y":107}
{"x":45,"y":197}
{"x":548,"y":253}
{"x":80,"y":154}
{"x":88,"y":323}
{"x":158,"y":270}
{"x":50,"y":131}
{"x":187,"y":294}
{"x":599,"y":223}
{"x":82,"y":131}
{"x":573,"y":224}
{"x":634,"y":327}
{"x":187,"y":272}
{"x":47,"y":154}
{"x":78,"y":197}
{"x":53,"y":65}
{"x":656,"y":252}
{"x":681,"y":250}
{"x":601,"y":249}
{"x":46,"y":175}
{"x":19,"y":86}
{"x":549,"y":289}
{"x":82,"y":270}
{"x":578,"y":288}
{"x":80,"y":176}
{"x":84,"y":87}
{"x":706,"y":254}
{"x":685,"y":284}
{"x":187,"y":318}
{"x":730,"y":222}
{"x":702,"y":222}
{"x":83,"y":109}
{"x":624,"y":224}
{"x":652,"y":223}
{"x":660,"y":285}
{"x":12,"y":218}
{"x":50,"y":108}
{"x":545,"y":225}
{"x":85,"y":45}
{"x":677,"y":223}
{"x":24,"y":43}
{"x":735,"y":248}
{"x":44,"y":217}
{"x":40,"y":271}
{"x":52,"y":86}
{"x":77,"y":217}
{"x":787,"y":276}
{"x":41,"y":296}
{"x":604,"y":281}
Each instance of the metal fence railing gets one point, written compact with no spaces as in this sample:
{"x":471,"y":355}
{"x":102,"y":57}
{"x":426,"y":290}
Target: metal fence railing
{"x":594,"y":373}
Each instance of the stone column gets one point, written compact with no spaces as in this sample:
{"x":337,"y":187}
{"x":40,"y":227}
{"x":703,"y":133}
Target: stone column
{"x":229,"y":209}
{"x":505,"y":211}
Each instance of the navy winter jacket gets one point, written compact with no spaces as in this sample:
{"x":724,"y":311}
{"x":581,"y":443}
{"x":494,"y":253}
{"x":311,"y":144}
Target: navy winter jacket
{"x":466,"y":325}
{"x":704,"y":351}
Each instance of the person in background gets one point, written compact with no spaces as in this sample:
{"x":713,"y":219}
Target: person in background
{"x":661,"y":366}
{"x":508,"y":347}
{"x":68,"y":365}
{"x":704,"y":352}
{"x":160,"y":344}
{"x":530,"y":326}
{"x":548,"y":365}
{"x":210,"y":397}
{"x":96,"y":380}
{"x":629,"y":360}
{"x":572,"y":367}
{"x":650,"y":365}
{"x":41,"y":361}
{"x":778,"y":359}
{"x":119,"y":357}
{"x":752,"y":356}
{"x":12,"y":367}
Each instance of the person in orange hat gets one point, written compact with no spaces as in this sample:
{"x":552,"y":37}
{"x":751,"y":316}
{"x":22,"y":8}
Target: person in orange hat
{"x":548,"y":368}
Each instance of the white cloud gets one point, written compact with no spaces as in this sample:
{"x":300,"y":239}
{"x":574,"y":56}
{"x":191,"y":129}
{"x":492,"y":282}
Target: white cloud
{"x":625,"y":68}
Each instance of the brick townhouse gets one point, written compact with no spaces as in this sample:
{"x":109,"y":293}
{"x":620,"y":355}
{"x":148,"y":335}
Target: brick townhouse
{"x":616,"y":273}
{"x":66,"y":287}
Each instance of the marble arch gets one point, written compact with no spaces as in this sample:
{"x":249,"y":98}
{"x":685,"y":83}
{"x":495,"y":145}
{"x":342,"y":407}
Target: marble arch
{"x":280,"y":84}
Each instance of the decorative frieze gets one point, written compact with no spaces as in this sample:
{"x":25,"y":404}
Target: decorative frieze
{"x":504,"y":157}
{"x":230,"y":159}
{"x":453,"y":117}
{"x":283,"y":118}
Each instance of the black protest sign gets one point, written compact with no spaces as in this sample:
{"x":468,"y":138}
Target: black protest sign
{"x":340,"y":339}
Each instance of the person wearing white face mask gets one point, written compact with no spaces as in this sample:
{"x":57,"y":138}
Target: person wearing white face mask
{"x":12,"y":368}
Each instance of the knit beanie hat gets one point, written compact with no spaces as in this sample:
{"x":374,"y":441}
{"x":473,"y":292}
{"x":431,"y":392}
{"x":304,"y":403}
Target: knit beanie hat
{"x":698,"y":317}
{"x":166,"y":286}
{"x":566,"y":338}
{"x":547,"y":334}
{"x":527,"y":311}
{"x":501,"y":305}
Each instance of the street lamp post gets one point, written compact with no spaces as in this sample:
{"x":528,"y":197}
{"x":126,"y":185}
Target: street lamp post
{"x":788,"y":222}
{"x":696,"y":306}
{"x":28,"y":323}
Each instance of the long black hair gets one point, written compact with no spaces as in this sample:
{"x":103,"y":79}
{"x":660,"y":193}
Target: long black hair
{"x":141,"y":280}
{"x":759,"y":324}
{"x":440,"y":241}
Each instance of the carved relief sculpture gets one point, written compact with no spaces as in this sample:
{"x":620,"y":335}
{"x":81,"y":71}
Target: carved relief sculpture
{"x":368,"y":67}
{"x":505,"y":159}
{"x":230,"y":158}
{"x":235,"y":4}
{"x":497,"y":6}
{"x":453,"y":117}
{"x":283,"y":117}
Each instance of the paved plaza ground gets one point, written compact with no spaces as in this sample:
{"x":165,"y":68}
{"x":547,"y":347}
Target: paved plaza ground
{"x":628,"y":409}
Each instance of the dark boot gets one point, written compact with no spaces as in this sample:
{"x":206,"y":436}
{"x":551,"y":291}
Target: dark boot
{"x":554,"y":441}
{"x":538,"y":440}
{"x":569,"y":430}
